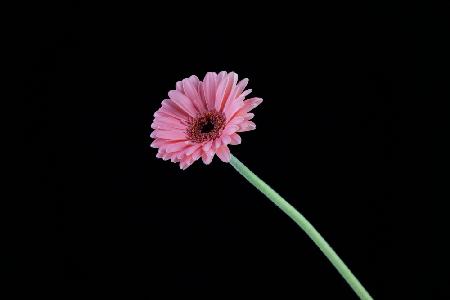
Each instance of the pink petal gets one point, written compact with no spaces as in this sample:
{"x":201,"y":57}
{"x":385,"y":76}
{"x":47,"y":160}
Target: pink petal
{"x":237,"y":104}
{"x":249,"y":116}
{"x":224,"y":153}
{"x":166,"y":156}
{"x":236,"y":121}
{"x":184,"y":164}
{"x":195,"y":81}
{"x":229,"y":95}
{"x":192,"y":149}
{"x":161,"y":114}
{"x":236,"y":92}
{"x":170,"y":108}
{"x":187,"y":162}
{"x":183,"y":102}
{"x":243,"y":95}
{"x":173,"y":156}
{"x":197,"y":154}
{"x":168,"y":120}
{"x":179,"y":87}
{"x":169,"y":134}
{"x":160,"y":153}
{"x":220,"y":77}
{"x":224,"y":89}
{"x":190,"y":89}
{"x":167,"y":123}
{"x":235,"y":139}
{"x":251,"y":103}
{"x":177,"y":146}
{"x":180,"y":155}
{"x":221,"y":86}
{"x":230,"y":129}
{"x":202,"y":96}
{"x":217,"y":143}
{"x":240,"y":87}
{"x":163,"y":143}
{"x":209,"y":89}
{"x":247,"y":126}
{"x":226,"y":139}
{"x":247,"y":106}
{"x":158,"y":143}
{"x":207,"y":146}
{"x":207,"y":157}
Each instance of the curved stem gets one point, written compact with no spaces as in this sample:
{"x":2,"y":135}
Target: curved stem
{"x":305,"y":225}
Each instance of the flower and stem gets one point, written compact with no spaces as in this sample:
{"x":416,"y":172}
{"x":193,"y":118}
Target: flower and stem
{"x":201,"y":118}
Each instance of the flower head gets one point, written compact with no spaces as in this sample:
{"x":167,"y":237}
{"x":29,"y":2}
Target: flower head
{"x":201,"y":118}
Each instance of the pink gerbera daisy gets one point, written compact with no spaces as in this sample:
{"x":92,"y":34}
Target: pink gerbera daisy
{"x":202,"y":118}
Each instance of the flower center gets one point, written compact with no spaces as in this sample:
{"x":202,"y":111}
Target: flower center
{"x":205,"y":127}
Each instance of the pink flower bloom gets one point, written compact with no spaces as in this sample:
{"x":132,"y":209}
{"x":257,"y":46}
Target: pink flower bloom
{"x":202,"y":118}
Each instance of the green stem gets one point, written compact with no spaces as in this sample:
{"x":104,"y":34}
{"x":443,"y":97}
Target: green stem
{"x":305,"y":225}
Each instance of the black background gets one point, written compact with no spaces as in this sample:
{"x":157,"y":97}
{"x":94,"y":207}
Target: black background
{"x":329,"y":138}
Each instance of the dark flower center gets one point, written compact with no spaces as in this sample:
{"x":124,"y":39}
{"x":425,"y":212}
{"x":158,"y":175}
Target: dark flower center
{"x":205,"y":127}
